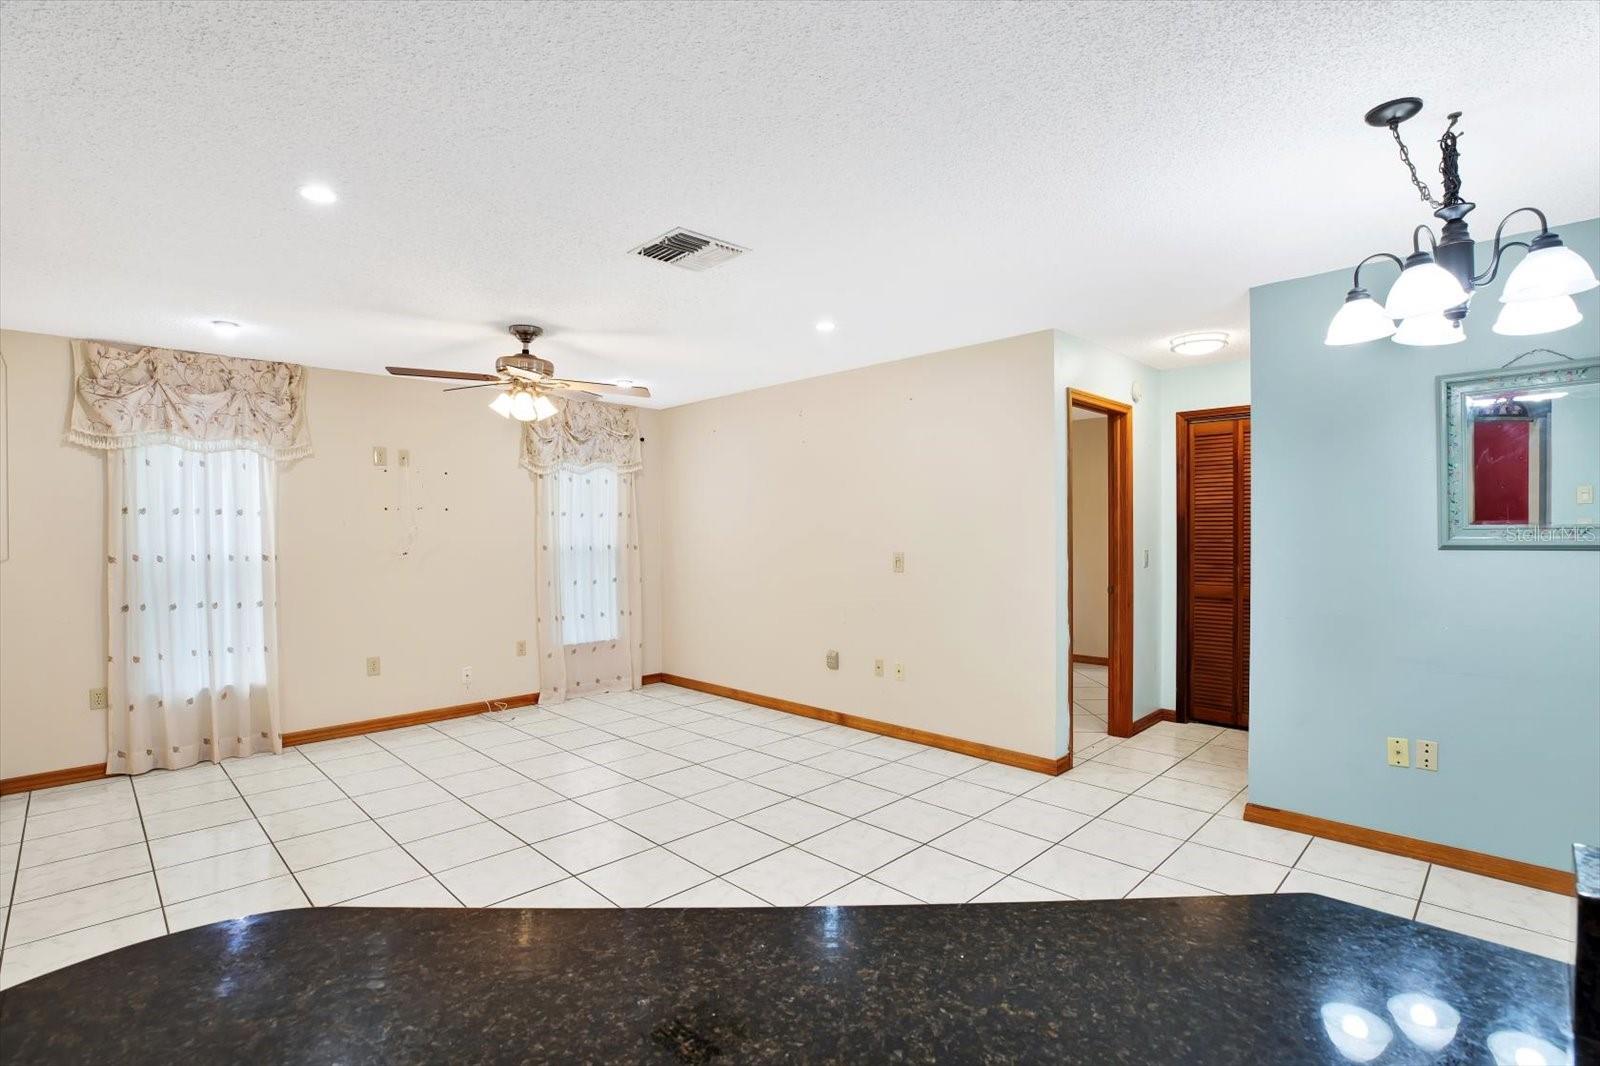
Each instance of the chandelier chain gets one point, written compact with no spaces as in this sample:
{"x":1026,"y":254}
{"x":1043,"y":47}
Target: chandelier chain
{"x":1405,"y":157}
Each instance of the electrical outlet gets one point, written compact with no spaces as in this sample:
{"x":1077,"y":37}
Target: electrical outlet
{"x":99,"y":699}
{"x":1399,"y":751}
{"x":404,"y":457}
{"x":832,"y":660}
{"x":374,"y":668}
{"x":877,"y":668}
{"x":522,"y":647}
{"x":899,"y":671}
{"x":466,"y":677}
{"x":1427,"y":755}
{"x":380,"y":455}
{"x":899,"y":562}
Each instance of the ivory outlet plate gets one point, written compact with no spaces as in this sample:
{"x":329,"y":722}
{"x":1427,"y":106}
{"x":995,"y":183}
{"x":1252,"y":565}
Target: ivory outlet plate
{"x":877,"y":668}
{"x":1427,"y":755}
{"x":374,"y":668}
{"x":1399,"y":751}
{"x":380,"y":455}
{"x":99,"y":699}
{"x":522,"y":647}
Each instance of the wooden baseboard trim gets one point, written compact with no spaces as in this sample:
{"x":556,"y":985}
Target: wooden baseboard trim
{"x":1037,"y":763}
{"x":1161,"y":715}
{"x":652,"y":679}
{"x":401,"y":721}
{"x":1476,"y":862}
{"x":72,"y":775}
{"x":1092,"y":660}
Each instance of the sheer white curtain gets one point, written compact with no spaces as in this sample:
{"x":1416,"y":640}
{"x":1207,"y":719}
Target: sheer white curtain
{"x":588,"y":592}
{"x":192,"y":600}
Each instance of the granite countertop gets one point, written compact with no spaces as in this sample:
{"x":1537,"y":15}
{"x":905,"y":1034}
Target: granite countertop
{"x":1242,"y":979}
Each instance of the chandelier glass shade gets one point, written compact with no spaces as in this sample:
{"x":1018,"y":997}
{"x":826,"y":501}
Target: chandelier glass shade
{"x":1361,"y":319}
{"x":1433,"y":294}
{"x":1429,"y":331}
{"x":1527,"y":318}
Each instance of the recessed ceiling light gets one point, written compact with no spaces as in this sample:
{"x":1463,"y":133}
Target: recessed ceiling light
{"x":223,"y":328}
{"x":1198,"y":343}
{"x":318,"y":193}
{"x":825,"y":326}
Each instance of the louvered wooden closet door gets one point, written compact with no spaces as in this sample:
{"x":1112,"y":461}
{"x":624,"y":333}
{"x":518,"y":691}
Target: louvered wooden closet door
{"x":1216,"y":498}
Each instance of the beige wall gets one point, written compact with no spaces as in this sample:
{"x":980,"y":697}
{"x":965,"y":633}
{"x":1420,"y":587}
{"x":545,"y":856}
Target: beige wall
{"x":445,"y":588}
{"x":784,"y":507}
{"x":1088,"y":450}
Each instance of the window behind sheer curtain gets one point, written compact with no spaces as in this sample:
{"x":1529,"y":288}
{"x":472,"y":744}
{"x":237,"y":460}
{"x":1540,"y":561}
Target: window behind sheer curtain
{"x":191,"y":591}
{"x":587,"y":527}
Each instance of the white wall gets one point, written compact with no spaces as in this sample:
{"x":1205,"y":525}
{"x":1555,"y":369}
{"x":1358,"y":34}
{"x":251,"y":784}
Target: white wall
{"x":784,"y":507}
{"x":460,"y":597}
{"x":1185,"y":389}
{"x":1089,"y":368}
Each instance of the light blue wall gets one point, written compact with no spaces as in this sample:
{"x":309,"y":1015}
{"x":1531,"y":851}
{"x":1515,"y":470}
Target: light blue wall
{"x":1363,"y":629}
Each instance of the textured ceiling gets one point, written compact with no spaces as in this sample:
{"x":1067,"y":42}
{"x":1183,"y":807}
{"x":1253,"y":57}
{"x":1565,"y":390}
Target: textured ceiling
{"x":926,"y":175}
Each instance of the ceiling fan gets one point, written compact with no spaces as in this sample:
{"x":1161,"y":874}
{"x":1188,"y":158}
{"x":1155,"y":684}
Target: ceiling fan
{"x":526,"y":380}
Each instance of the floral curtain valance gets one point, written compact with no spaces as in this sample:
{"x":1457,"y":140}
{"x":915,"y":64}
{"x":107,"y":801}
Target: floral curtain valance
{"x":583,"y":433}
{"x":126,"y":397}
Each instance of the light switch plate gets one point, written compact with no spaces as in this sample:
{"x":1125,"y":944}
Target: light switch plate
{"x":899,"y":671}
{"x":1585,"y":493}
{"x":877,"y":668}
{"x":1427,"y":755}
{"x":899,"y":562}
{"x":1399,"y":751}
{"x":404,"y":457}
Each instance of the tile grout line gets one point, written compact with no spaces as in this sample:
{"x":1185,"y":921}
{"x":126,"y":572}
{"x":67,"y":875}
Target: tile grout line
{"x":144,"y":831}
{"x":275,"y":849}
{"x":16,"y":875}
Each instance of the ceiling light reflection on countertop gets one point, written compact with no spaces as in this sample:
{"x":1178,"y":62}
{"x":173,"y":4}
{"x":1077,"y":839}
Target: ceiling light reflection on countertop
{"x":224,"y":328}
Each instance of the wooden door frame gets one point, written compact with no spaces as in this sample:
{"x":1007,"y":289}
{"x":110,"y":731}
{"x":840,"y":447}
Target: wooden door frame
{"x":1184,"y":420}
{"x":1119,"y":562}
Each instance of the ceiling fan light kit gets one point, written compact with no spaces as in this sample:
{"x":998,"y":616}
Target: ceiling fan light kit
{"x":1433,"y":294}
{"x":525,"y":380}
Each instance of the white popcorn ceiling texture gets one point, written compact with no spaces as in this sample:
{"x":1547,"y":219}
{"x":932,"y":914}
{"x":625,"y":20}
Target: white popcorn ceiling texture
{"x":925,"y":174}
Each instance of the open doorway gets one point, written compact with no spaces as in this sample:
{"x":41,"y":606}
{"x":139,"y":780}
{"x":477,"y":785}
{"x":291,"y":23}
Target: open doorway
{"x":1100,"y":568}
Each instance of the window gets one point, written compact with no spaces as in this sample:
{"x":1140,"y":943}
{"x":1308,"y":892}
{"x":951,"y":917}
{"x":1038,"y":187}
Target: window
{"x":586,"y":536}
{"x":193,"y":582}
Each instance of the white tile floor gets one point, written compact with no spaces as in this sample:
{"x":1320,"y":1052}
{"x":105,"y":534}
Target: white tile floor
{"x":674,"y":798}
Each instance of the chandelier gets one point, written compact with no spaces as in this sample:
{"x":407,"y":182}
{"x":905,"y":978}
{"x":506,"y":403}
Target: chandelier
{"x":1434,"y":292}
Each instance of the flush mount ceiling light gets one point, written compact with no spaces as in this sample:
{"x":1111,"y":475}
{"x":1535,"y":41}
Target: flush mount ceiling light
{"x":1203,"y":343}
{"x":223,"y":328}
{"x":1439,"y":282}
{"x":825,"y":326}
{"x":318,"y":193}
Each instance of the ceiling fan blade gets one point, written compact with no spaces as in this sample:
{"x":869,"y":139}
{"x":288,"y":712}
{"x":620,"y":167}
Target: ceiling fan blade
{"x":480,"y":385}
{"x":451,"y":375}
{"x":598,"y":388}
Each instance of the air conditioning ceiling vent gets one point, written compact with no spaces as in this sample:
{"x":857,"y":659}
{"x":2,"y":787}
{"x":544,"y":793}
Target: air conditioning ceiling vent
{"x":689,"y":250}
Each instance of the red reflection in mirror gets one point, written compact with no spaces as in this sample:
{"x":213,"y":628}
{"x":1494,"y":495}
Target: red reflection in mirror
{"x":1503,"y":454}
